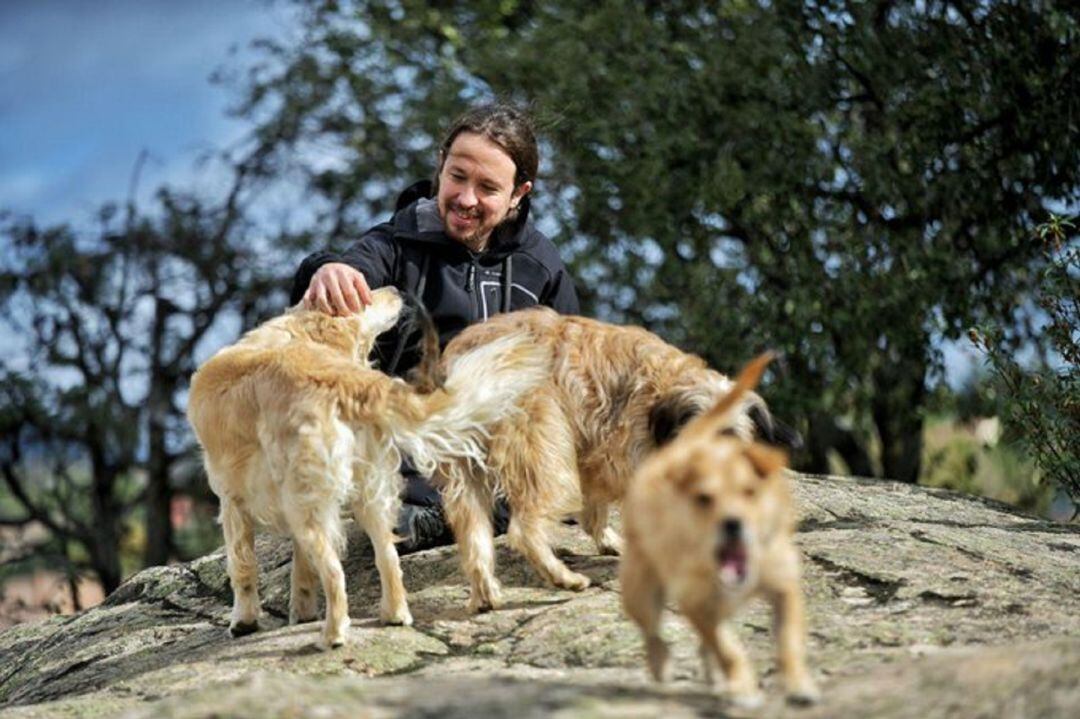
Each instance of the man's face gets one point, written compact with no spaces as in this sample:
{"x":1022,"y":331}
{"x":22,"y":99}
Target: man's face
{"x":476,"y":189}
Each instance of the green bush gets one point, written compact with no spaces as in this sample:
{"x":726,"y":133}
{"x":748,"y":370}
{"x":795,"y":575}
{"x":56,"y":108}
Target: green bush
{"x":1041,"y":406}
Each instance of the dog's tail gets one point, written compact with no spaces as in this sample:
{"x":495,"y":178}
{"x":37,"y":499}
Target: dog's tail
{"x":723,"y":415}
{"x":482,"y":386}
{"x":427,"y":376}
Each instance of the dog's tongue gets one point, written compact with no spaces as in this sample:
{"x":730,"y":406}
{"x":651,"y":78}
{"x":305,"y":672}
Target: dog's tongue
{"x":732,"y":564}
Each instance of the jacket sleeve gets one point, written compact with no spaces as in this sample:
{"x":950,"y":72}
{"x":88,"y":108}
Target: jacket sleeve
{"x":373,"y":254}
{"x":561,"y":296}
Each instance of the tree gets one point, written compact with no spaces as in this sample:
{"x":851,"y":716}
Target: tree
{"x":848,"y":182}
{"x":91,"y":408}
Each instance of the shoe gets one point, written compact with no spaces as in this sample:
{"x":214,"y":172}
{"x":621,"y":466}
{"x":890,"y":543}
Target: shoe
{"x":500,"y":518}
{"x":422,"y":527}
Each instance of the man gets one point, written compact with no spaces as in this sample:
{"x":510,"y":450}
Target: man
{"x":463,"y":244}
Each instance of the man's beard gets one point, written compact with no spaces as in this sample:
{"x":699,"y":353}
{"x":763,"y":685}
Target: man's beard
{"x":475,"y":241}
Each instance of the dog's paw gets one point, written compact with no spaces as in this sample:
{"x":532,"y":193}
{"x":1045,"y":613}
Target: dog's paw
{"x":482,"y":604}
{"x":611,"y":544}
{"x":327,"y":644}
{"x":747,"y":700}
{"x":485,"y":597}
{"x":803,"y":693}
{"x":656,"y":655}
{"x":573,"y":581}
{"x":242,"y":629}
{"x":398,"y":617}
{"x":333,"y":637}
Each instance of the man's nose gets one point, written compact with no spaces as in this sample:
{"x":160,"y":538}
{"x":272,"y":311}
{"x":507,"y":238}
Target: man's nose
{"x":467,"y":198}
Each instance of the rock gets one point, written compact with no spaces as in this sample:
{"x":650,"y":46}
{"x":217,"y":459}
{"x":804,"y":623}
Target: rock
{"x":922,"y":603}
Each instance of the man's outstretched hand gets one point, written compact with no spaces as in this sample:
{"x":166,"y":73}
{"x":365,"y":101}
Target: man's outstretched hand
{"x":337,"y":289}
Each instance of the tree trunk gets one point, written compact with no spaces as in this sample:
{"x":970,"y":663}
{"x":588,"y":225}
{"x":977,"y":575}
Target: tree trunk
{"x":104,"y":545}
{"x":825,"y":434}
{"x":159,"y":536}
{"x":158,"y":497}
{"x":896,"y":411}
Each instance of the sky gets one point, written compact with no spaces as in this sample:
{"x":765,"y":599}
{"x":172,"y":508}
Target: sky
{"x":86,"y":85}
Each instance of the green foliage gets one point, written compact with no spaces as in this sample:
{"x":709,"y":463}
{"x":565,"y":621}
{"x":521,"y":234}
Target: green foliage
{"x":1042,"y":404}
{"x":843,"y":181}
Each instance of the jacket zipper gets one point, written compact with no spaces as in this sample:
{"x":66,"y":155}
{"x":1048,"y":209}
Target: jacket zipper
{"x":470,"y":287}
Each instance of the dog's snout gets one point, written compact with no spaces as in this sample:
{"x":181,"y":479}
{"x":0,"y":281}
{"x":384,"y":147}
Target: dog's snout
{"x":731,"y":529}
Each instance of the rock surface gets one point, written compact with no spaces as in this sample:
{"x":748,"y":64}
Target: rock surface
{"x":922,"y":603}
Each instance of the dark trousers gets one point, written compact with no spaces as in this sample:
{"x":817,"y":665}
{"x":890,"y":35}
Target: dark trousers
{"x":421,"y":521}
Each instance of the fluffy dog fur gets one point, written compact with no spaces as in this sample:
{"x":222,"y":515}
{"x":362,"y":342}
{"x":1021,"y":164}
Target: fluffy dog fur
{"x":294,"y":425}
{"x":708,"y":524}
{"x":614,"y":395}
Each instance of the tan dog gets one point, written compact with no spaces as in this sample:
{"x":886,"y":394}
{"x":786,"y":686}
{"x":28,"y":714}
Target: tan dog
{"x":708,"y":524}
{"x":614,"y":394}
{"x":294,"y":425}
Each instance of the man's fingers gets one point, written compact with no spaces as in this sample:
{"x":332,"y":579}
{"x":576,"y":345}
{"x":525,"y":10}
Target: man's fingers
{"x":351,"y":297}
{"x":362,"y":289}
{"x":338,"y":289}
{"x":315,"y":299}
{"x":337,"y":300}
{"x":322,"y":301}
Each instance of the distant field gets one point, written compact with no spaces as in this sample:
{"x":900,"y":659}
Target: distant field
{"x":971,"y":457}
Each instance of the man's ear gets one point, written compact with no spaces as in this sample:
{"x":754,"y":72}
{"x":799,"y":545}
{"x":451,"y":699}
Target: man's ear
{"x":519,"y":192}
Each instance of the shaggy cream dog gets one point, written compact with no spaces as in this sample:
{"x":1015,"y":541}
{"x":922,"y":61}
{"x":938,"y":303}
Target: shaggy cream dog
{"x":295,"y":425}
{"x":613,"y":396}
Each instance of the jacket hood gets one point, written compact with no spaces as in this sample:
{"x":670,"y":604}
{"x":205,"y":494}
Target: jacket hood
{"x":416,"y":218}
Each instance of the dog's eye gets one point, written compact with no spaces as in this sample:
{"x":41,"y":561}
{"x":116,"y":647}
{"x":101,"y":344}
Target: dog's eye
{"x":703,"y":500}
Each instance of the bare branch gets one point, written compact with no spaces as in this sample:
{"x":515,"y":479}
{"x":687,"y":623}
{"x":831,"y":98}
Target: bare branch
{"x":34,"y":511}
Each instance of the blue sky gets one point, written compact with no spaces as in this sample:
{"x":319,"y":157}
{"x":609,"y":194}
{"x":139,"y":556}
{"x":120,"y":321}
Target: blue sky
{"x":85,"y":86}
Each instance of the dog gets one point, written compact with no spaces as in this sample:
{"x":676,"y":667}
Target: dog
{"x":708,"y":524}
{"x":613,"y":396}
{"x":294,"y":425}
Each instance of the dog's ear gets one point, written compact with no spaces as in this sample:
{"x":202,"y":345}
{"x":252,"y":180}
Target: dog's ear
{"x":765,"y":460}
{"x":668,"y":416}
{"x":771,"y":430}
{"x":720,"y":415}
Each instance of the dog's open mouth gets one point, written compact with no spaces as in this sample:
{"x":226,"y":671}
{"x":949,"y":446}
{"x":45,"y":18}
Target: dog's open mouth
{"x":732,"y":559}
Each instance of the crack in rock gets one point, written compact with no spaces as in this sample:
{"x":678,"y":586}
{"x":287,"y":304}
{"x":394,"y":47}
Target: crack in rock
{"x":881,"y":590}
{"x":816,"y":525}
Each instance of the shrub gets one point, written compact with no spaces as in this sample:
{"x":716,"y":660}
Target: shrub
{"x":1041,"y":406}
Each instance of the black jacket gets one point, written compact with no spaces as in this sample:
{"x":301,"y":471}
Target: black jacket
{"x":457,"y":286}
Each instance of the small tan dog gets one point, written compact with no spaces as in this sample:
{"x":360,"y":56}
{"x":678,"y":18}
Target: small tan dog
{"x":295,"y":425}
{"x":708,"y":523}
{"x":614,"y":394}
